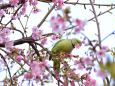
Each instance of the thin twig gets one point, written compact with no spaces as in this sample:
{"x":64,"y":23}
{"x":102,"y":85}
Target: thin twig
{"x":93,"y":17}
{"x":102,"y":13}
{"x":22,"y":26}
{"x":98,"y":28}
{"x":108,"y":36}
{"x":7,"y":68}
{"x":42,"y":21}
{"x":26,"y":40}
{"x":36,"y":51}
{"x":13,"y":28}
{"x":13,"y":15}
{"x":99,"y":5}
{"x":4,"y":6}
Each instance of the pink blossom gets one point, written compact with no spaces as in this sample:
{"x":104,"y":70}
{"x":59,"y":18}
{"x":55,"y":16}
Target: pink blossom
{"x":72,"y":83}
{"x":1,"y":40}
{"x":9,"y":45}
{"x":58,"y":3}
{"x":80,"y":25}
{"x":33,"y":2}
{"x":36,"y":33}
{"x":102,"y":51}
{"x":44,"y":41}
{"x":56,"y":72}
{"x":28,"y":76}
{"x":78,"y":46}
{"x":65,"y":83}
{"x":89,"y":81}
{"x":38,"y":68}
{"x":5,"y":39}
{"x":55,"y":37}
{"x":6,"y":31}
{"x":19,"y":58}
{"x":23,"y":10}
{"x":101,"y":73}
{"x":87,"y":61}
{"x":4,"y":35}
{"x":14,"y":2}
{"x":58,"y":24}
{"x":79,"y":64}
{"x":2,"y":12}
{"x":105,"y":48}
{"x":36,"y":10}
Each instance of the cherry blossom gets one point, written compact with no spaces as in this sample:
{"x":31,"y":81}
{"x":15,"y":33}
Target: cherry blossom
{"x":33,"y":2}
{"x":28,"y":75}
{"x":79,"y":25}
{"x":72,"y":83}
{"x":1,"y":40}
{"x":2,"y":12}
{"x":44,"y":41}
{"x":57,"y":24}
{"x":38,"y":69}
{"x":101,"y":73}
{"x":102,"y":51}
{"x":9,"y":45}
{"x":19,"y":58}
{"x":14,"y":2}
{"x":89,"y":81}
{"x":58,"y":3}
{"x":36,"y":33}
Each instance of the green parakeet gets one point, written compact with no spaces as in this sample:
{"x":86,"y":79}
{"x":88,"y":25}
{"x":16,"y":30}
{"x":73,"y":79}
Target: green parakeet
{"x":62,"y":47}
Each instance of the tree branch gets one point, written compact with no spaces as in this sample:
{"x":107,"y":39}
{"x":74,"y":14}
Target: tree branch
{"x":98,"y":28}
{"x":42,"y":21}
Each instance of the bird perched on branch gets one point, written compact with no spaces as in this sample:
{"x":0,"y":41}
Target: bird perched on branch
{"x":60,"y":49}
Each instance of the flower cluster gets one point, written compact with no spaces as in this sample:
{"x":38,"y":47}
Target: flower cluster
{"x":79,"y":25}
{"x":102,"y":51}
{"x":36,"y":33}
{"x":33,"y":2}
{"x":37,"y":70}
{"x":58,"y":3}
{"x":2,"y":12}
{"x":89,"y":81}
{"x":58,"y":24}
{"x":4,"y":38}
{"x":14,"y":2}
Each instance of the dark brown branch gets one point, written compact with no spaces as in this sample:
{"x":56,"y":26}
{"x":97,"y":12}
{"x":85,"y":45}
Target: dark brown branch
{"x":7,"y":5}
{"x":14,"y":15}
{"x":20,"y":41}
{"x":26,"y":40}
{"x":4,"y":6}
{"x":36,"y":51}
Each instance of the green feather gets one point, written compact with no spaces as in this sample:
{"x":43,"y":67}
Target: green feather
{"x":63,"y":45}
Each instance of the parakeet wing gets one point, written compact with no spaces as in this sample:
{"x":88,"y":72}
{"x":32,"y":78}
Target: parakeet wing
{"x":63,"y":45}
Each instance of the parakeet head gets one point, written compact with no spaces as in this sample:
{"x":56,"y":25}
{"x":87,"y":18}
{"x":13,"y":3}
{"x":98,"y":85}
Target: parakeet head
{"x":75,"y":41}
